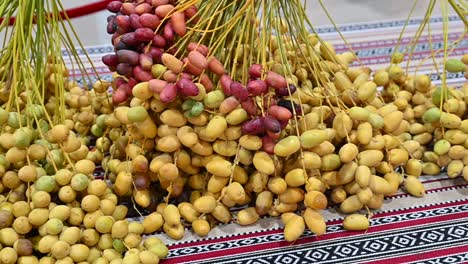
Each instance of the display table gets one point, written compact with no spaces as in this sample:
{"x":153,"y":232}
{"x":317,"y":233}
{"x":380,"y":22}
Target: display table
{"x":431,"y":229}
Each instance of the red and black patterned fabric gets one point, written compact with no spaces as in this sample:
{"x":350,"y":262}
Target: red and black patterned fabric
{"x":431,"y":229}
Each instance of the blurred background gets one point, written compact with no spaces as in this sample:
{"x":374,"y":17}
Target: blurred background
{"x":92,"y":28}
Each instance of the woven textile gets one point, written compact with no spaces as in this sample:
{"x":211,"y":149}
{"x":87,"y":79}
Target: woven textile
{"x":431,"y":229}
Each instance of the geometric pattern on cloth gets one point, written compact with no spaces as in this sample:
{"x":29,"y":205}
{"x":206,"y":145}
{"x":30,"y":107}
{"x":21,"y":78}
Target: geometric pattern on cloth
{"x":412,"y":232}
{"x":373,"y":42}
{"x":428,"y":233}
{"x":363,"y":248}
{"x":452,"y":259}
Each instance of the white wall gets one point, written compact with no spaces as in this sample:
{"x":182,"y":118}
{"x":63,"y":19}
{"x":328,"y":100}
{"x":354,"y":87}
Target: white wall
{"x":352,"y":11}
{"x":91,"y":29}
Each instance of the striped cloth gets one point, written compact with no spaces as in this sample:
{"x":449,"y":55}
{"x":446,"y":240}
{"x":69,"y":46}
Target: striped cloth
{"x":431,"y":229}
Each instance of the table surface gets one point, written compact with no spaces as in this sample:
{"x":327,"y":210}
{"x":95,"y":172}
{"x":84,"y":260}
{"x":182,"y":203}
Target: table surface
{"x":431,"y":229}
